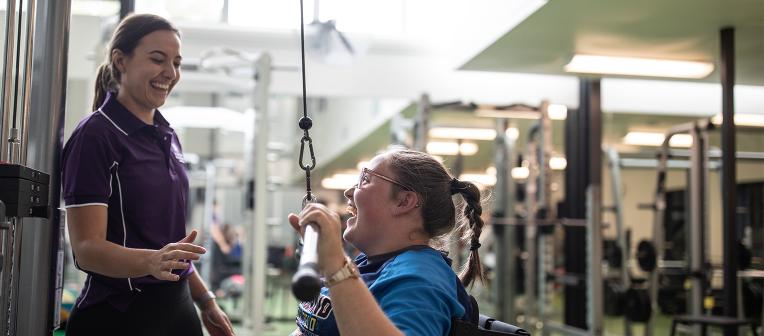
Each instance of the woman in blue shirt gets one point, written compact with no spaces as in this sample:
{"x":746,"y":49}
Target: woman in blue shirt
{"x":401,"y":206}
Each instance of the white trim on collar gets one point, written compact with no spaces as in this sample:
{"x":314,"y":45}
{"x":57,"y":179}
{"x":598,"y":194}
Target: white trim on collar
{"x":111,"y":121}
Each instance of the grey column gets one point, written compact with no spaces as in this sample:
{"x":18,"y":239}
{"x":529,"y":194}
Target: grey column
{"x":126,"y":7}
{"x":41,"y":253}
{"x":421,"y":125}
{"x":503,"y":209}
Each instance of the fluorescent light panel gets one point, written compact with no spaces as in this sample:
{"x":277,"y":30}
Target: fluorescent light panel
{"x":339,"y":181}
{"x":484,"y":179}
{"x":520,"y":173}
{"x":656,"y":139}
{"x":555,"y":111}
{"x":754,"y":120}
{"x":462,"y":133}
{"x":451,"y":148}
{"x":513,"y":114}
{"x":558,"y":163}
{"x":632,"y":66}
{"x":512,"y":133}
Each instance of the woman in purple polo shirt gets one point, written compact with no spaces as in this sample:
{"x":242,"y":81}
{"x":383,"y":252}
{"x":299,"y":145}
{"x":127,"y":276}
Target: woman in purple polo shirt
{"x":125,"y":187}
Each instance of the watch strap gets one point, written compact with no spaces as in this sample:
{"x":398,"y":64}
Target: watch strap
{"x":348,"y":270}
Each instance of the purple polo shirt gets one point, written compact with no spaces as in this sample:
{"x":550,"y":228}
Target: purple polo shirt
{"x":137,"y":170}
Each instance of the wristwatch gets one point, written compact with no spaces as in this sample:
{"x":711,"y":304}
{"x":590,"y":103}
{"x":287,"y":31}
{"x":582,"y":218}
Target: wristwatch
{"x":348,"y":270}
{"x":202,"y":299}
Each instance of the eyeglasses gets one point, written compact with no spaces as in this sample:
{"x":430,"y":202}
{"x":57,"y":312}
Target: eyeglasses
{"x":363,"y":179}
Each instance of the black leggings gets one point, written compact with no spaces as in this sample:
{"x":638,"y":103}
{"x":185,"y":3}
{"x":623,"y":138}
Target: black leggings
{"x":159,"y":310}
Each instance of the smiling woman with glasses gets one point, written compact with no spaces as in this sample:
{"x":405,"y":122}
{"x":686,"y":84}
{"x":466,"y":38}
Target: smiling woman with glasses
{"x":401,"y":207}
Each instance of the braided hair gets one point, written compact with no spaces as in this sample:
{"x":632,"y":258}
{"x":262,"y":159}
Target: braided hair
{"x":436,"y":188}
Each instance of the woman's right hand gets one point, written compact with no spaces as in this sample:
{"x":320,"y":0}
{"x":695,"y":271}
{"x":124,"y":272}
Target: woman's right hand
{"x":331,"y":256}
{"x":162,"y":262}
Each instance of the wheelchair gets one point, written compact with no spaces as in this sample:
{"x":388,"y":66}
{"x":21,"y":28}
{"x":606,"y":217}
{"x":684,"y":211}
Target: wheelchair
{"x":481,"y":325}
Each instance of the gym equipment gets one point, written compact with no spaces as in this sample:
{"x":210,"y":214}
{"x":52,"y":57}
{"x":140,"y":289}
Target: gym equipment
{"x":612,"y":254}
{"x":716,"y":321}
{"x":31,"y":125}
{"x":306,"y":283}
{"x":646,"y":256}
{"x":637,"y":304}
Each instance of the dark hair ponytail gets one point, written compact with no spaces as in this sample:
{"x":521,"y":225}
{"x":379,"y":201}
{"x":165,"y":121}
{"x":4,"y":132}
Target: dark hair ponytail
{"x":435,"y":187}
{"x":473,"y":269}
{"x":105,"y":82}
{"x":125,"y":38}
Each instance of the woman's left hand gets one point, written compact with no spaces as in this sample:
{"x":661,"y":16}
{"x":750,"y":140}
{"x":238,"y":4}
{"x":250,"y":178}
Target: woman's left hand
{"x":215,"y":320}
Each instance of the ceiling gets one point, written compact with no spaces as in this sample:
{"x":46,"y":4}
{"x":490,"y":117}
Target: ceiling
{"x":614,"y":128}
{"x":675,"y":29}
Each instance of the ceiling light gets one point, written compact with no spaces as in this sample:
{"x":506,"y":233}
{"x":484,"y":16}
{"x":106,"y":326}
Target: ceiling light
{"x":520,"y":173}
{"x":638,"y":66}
{"x":755,"y":120}
{"x":681,"y":140}
{"x":339,"y":181}
{"x":512,"y":133}
{"x":557,"y":111}
{"x":487,"y":111}
{"x":656,"y":139}
{"x":484,"y":179}
{"x":462,"y":133}
{"x":208,"y":117}
{"x":558,"y":163}
{"x":451,"y":148}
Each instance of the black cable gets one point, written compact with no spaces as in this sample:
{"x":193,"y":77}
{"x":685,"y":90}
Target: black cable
{"x":302,"y":50}
{"x":305,"y":123}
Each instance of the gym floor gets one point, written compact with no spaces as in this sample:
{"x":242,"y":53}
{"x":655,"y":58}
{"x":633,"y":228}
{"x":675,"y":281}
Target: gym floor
{"x":281,"y":307}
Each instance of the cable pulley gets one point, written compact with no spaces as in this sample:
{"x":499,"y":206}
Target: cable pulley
{"x":306,"y":283}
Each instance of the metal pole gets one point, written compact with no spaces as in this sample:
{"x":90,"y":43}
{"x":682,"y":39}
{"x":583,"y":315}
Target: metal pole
{"x":259,"y":244}
{"x":697,"y":226}
{"x":698,"y":213}
{"x":615,"y":176}
{"x":658,"y":215}
{"x":574,"y":207}
{"x":24,"y":126}
{"x":727,"y":74}
{"x":10,"y":51}
{"x":503,"y":207}
{"x":594,"y":209}
{"x":422,"y":124}
{"x":126,"y":7}
{"x":455,"y":245}
{"x":209,"y":217}
{"x":10,"y":278}
{"x":531,"y":201}
{"x":545,"y":153}
{"x":658,"y":223}
{"x":545,"y":209}
{"x":41,"y":278}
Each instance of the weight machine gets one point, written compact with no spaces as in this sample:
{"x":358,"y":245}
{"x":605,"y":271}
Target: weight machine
{"x":650,"y":254}
{"x":34,"y":82}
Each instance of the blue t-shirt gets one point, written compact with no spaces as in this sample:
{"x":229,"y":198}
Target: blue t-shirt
{"x":415,"y":287}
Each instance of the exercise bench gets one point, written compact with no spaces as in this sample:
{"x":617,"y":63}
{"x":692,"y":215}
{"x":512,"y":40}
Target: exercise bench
{"x":715,"y":321}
